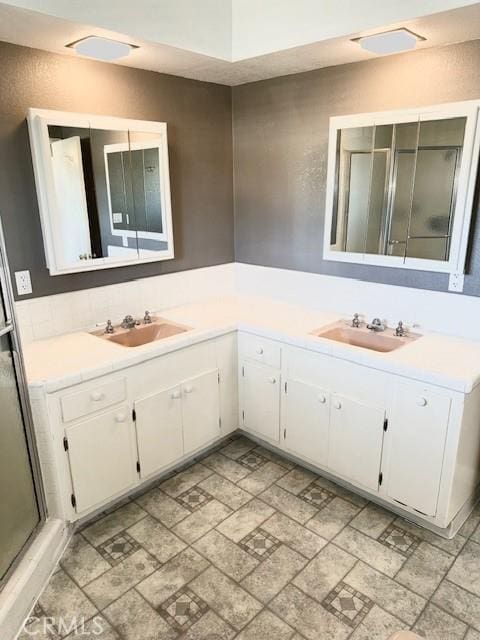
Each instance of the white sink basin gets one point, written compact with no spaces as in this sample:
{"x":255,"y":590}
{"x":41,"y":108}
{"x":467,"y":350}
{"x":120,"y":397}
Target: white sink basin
{"x":384,"y":341}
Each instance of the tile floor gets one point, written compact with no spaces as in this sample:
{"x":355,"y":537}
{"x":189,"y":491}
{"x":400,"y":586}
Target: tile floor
{"x":244,"y":544}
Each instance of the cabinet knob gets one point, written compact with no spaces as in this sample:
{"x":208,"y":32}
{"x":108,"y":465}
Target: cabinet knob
{"x":272,"y":380}
{"x":96,"y":396}
{"x":422,"y":402}
{"x":188,"y":388}
{"x":322,"y":399}
{"x":260,"y":351}
{"x":120,"y":417}
{"x":176,"y":395}
{"x":337,"y":404}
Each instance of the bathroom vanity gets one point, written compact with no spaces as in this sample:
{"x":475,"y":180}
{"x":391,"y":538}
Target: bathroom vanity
{"x":398,"y":426}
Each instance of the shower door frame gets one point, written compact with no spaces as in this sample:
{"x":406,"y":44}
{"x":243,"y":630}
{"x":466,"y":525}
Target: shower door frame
{"x":11,"y":329}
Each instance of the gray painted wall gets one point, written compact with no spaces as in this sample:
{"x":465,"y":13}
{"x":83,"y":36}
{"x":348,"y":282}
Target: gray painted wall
{"x":280,"y":154}
{"x":200,"y":146}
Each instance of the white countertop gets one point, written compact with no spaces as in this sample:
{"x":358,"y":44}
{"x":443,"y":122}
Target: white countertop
{"x":65,"y":360}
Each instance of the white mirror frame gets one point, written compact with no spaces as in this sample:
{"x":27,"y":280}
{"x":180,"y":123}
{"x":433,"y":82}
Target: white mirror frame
{"x":38,"y":122}
{"x":465,"y":191}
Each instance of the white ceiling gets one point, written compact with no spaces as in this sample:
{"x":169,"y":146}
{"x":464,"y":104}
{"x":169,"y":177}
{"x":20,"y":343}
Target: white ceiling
{"x":234,"y":42}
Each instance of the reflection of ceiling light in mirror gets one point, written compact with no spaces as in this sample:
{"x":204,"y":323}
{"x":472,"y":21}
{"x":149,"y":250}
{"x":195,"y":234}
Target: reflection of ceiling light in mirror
{"x":389,"y":41}
{"x":101,"y":48}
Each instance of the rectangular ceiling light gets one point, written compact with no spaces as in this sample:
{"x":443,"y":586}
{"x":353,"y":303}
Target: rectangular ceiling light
{"x":389,"y":41}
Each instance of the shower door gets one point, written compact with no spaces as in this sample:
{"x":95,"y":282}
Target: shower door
{"x":21,"y":509}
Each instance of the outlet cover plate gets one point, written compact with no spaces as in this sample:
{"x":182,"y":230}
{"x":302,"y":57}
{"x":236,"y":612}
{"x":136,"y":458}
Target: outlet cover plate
{"x":456,"y":281}
{"x":24,"y":284}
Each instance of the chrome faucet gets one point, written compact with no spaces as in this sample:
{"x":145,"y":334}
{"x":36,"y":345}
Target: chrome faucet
{"x":356,"y":321}
{"x":128,"y":322}
{"x":376,"y":325}
{"x":109,"y":328}
{"x":400,"y":331}
{"x":147,"y":318}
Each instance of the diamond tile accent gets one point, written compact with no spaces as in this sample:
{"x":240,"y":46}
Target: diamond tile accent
{"x":400,"y":540}
{"x":316,"y":495}
{"x":252,"y":460}
{"x":118,"y":548}
{"x":194,"y":498}
{"x":260,"y":544}
{"x":183,"y":609}
{"x":347,"y":604}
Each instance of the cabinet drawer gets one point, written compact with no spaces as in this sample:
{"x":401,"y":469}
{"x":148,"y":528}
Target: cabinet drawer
{"x":79,"y":404}
{"x":260,"y":349}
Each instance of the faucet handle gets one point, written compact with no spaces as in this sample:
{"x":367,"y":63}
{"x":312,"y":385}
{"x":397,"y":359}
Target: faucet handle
{"x":147,"y":318}
{"x":356,"y":320}
{"x":109,"y":328}
{"x":400,"y":331}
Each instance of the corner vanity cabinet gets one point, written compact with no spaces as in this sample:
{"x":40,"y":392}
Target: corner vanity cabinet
{"x":411,"y":445}
{"x":115,"y":432}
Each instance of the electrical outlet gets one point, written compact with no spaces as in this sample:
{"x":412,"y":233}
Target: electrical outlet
{"x":24,"y":284}
{"x":455,"y":282}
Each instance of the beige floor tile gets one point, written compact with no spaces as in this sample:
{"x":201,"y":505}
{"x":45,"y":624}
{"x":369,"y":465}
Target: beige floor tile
{"x":225,"y":491}
{"x":324,"y":572}
{"x":199,"y":522}
{"x":225,"y":555}
{"x":173,"y":575}
{"x":287,"y":503}
{"x":425,"y":569}
{"x":238,"y":447}
{"x":273,"y":574}
{"x":372,"y":520}
{"x":266,"y":626}
{"x":370,"y":551}
{"x":210,"y":627}
{"x":328,"y":522}
{"x":295,"y":535}
{"x":98,"y":628}
{"x":113,"y":523}
{"x":389,"y":595}
{"x":245,"y":520}
{"x":185,"y":480}
{"x":120,"y":578}
{"x":82,"y":562}
{"x":63,"y":601}
{"x":275,"y":457}
{"x":453,"y":546}
{"x":307,"y":616}
{"x":435,"y":624}
{"x":465,"y":571}
{"x":472,"y":634}
{"x":162,"y":507}
{"x":136,"y":620}
{"x":342,"y":492}
{"x":156,"y":539}
{"x":296,"y":480}
{"x":262,"y":478}
{"x":458,"y":602}
{"x":226,"y":597}
{"x":226,"y":467}
{"x":377,"y":625}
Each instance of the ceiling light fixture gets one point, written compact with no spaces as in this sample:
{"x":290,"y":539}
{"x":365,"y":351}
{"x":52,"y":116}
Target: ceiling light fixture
{"x":389,"y":41}
{"x":101,"y":48}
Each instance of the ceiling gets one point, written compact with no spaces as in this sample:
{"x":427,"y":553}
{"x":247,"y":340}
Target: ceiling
{"x":238,"y":41}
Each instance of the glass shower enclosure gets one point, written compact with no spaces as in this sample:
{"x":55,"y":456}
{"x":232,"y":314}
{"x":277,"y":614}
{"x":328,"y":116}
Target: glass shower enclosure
{"x":21,"y":499}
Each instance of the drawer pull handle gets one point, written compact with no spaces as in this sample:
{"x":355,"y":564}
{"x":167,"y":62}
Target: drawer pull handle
{"x":96,"y":396}
{"x":272,"y":380}
{"x":260,"y":351}
{"x":422,"y":402}
{"x":120,"y":417}
{"x":176,"y":395}
{"x":322,"y":399}
{"x":188,"y":389}
{"x":338,"y":405}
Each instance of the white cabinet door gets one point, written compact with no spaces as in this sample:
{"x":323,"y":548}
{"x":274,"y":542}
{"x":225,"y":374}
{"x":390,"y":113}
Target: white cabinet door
{"x":355,"y":442}
{"x":306,"y":417}
{"x":416,"y":432}
{"x":201,"y":410}
{"x":102,"y":457}
{"x":260,"y":400}
{"x":159,"y":430}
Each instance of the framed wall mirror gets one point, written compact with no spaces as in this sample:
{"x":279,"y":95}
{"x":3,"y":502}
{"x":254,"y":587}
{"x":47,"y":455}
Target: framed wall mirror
{"x":400,"y":187}
{"x":103,"y":189}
